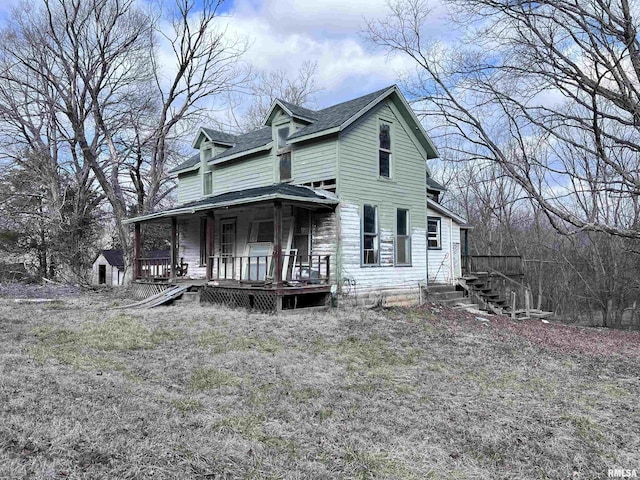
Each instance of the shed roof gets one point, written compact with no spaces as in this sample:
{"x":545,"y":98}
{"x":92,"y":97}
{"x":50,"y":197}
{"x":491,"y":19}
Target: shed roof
{"x":433,"y":185}
{"x":115,"y":258}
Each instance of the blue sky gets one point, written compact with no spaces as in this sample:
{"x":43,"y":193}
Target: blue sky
{"x":283,"y":34}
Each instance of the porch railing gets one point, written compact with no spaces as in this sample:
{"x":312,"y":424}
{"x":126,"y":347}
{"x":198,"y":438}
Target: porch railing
{"x":504,"y":264}
{"x":154,"y":267}
{"x":298,"y":269}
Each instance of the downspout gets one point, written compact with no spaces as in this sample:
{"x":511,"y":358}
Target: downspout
{"x":451,"y":265}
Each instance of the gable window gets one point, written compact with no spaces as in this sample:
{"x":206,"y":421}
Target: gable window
{"x":403,"y":239}
{"x":370,"y":238}
{"x":434,"y":241}
{"x":384,"y":152}
{"x":283,"y":133}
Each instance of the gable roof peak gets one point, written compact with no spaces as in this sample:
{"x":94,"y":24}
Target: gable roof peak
{"x":295,"y":111}
{"x":214,"y":136}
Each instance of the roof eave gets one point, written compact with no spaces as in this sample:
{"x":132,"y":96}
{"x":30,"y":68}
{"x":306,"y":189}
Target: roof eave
{"x":445,"y":211}
{"x":432,"y":151}
{"x":218,"y":160}
{"x":175,"y":173}
{"x":311,"y":136}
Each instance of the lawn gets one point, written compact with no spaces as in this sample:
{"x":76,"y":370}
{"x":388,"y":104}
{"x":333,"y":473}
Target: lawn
{"x":212,"y":393}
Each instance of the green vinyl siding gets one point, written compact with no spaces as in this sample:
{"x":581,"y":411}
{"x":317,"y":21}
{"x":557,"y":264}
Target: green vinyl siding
{"x":189,"y":187}
{"x":239,"y":174}
{"x":314,"y":161}
{"x":360,"y":182}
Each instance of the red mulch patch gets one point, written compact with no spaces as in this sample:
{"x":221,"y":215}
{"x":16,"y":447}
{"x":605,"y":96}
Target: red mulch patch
{"x":553,"y":335}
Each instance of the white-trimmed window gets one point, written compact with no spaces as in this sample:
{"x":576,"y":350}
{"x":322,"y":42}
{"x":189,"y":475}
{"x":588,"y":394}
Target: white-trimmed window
{"x":283,"y":134}
{"x":384,"y":150}
{"x":207,"y":183}
{"x":284,"y":153}
{"x":370,"y":237}
{"x":434,"y":241}
{"x":403,"y":237}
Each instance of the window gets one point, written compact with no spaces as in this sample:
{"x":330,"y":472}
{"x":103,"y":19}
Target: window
{"x":207,"y":183}
{"x":203,"y":242}
{"x":403,"y":238}
{"x":284,"y":161}
{"x":384,"y":155}
{"x":283,"y":133}
{"x":433,"y":233}
{"x":370,"y":235}
{"x":283,"y":153}
{"x":261,"y":231}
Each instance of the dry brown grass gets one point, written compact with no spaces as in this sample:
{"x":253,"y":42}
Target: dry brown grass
{"x":190,"y":392}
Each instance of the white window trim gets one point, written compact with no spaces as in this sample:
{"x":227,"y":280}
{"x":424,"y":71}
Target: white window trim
{"x":382,"y":121}
{"x":438,"y":233}
{"x":281,"y":150}
{"x":407,"y":236}
{"x":377,"y":237}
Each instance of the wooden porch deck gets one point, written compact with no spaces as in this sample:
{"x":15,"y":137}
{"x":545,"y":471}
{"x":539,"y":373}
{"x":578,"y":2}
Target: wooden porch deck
{"x":259,"y":296}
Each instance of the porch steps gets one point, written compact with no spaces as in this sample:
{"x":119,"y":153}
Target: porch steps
{"x":445,"y":295}
{"x":161,"y":298}
{"x":491,"y":302}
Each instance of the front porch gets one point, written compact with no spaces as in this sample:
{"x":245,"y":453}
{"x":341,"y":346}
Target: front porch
{"x":257,"y":253}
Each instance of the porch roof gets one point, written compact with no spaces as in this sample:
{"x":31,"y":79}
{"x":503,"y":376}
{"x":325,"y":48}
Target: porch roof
{"x":279,"y":191}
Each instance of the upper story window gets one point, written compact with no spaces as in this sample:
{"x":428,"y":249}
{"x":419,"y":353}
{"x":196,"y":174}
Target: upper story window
{"x":283,"y":153}
{"x":384,"y":151}
{"x":283,"y":133}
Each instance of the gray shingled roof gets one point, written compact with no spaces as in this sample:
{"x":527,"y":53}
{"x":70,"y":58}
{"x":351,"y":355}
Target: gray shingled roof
{"x":187,"y":163}
{"x":324,"y":119}
{"x":248,"y":141}
{"x":336,"y":115}
{"x":299,"y":111}
{"x":220,"y":137}
{"x":284,"y":189}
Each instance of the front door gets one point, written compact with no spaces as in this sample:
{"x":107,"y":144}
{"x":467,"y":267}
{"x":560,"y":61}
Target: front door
{"x":227,"y":249}
{"x":102,"y":274}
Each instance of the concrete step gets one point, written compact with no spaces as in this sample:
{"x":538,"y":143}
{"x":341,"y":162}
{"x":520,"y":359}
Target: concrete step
{"x":441,"y":288}
{"x":445,"y":295}
{"x":188,"y":298}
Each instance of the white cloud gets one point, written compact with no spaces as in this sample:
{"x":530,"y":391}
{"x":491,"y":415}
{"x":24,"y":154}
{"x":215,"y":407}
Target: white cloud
{"x":286,"y":33}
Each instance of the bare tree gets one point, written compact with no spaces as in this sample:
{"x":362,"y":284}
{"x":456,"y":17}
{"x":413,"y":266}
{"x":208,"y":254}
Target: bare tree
{"x":95,"y":66}
{"x":549,"y":90}
{"x":267,"y":86}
